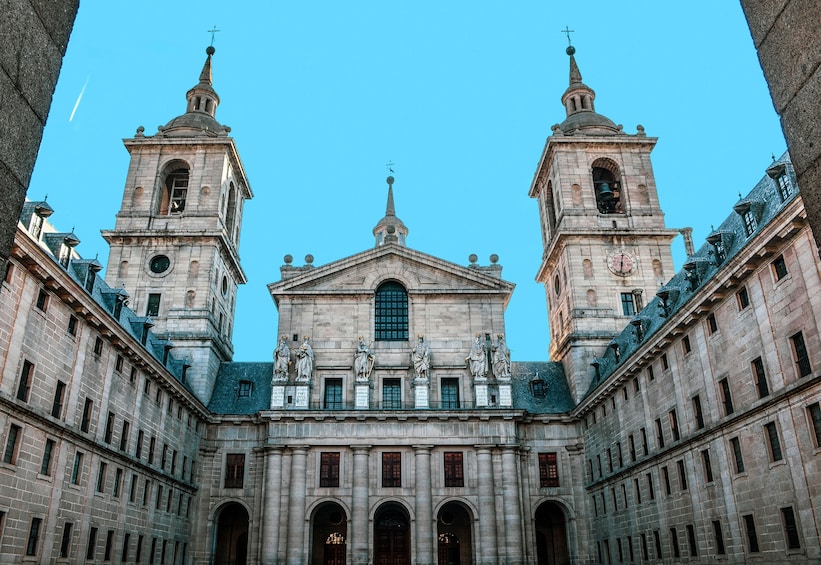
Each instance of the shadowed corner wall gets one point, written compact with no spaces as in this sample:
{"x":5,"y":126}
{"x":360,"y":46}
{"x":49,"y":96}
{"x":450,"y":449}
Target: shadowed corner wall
{"x":785,"y":34}
{"x":34,"y":36}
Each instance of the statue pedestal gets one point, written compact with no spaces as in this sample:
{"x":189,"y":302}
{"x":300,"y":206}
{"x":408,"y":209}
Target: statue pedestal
{"x":505,"y":395}
{"x":278,"y":396}
{"x":362,"y":396}
{"x":480,"y":390}
{"x":301,"y":396}
{"x":420,"y":393}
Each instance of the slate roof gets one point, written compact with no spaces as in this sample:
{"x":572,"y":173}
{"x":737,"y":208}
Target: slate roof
{"x":765,"y":202}
{"x":225,"y":398}
{"x":557,"y":399}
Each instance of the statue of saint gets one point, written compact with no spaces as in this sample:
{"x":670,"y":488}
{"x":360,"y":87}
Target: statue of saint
{"x":282,"y":358}
{"x":477,"y":358}
{"x":363,"y":361}
{"x":501,"y":358}
{"x":421,"y":358}
{"x":304,"y":361}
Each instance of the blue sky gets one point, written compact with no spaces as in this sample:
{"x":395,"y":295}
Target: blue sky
{"x":459,"y":95}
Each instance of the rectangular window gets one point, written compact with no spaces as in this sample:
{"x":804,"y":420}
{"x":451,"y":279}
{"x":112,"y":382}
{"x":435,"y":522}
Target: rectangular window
{"x":164,"y":456}
{"x":659,"y":433}
{"x":77,"y":469}
{"x":450,"y":394}
{"x":152,"y":442}
{"x":86,"y":419}
{"x":124,"y":436}
{"x":246,"y":388}
{"x":391,"y":394}
{"x":784,"y":186}
{"x":138,"y":557}
{"x":645,"y":553}
{"x":333,"y":394}
{"x":65,"y":541}
{"x":749,"y":223}
{"x":454,"y":469}
{"x":650,"y":490}
{"x":657,"y":539}
{"x":12,"y":444}
{"x":712,"y":325}
{"x":698,"y":414}
{"x":708,"y":467}
{"x":124,"y":554}
{"x":674,"y":543}
{"x":329,"y":469}
{"x":719,"y":538}
{"x":118,"y":479}
{"x":619,"y":454}
{"x":685,"y":344}
{"x":48,"y":452}
{"x":118,"y":364}
{"x":738,"y":459}
{"x":609,"y":460}
{"x":779,"y":267}
{"x":726,"y":397}
{"x":109,"y":427}
{"x":691,"y":539}
{"x":548,"y":469}
{"x":644,"y":448}
{"x":72,"y":326}
{"x":42,"y":300}
{"x":173,"y":461}
{"x":153,"y":305}
{"x":674,"y":424}
{"x":391,"y":469}
{"x":101,"y":477}
{"x":132,"y":495}
{"x":631,"y":443}
{"x":98,"y":346}
{"x":132,"y":375}
{"x":34,"y":536}
{"x":153,"y":550}
{"x":666,"y":475}
{"x":637,"y":489}
{"x":682,"y":474}
{"x":749,"y":531}
{"x":24,"y":387}
{"x":790,"y":528}
{"x":140,"y":438}
{"x":146,"y":492}
{"x":109,"y":541}
{"x":92,"y":541}
{"x":57,"y":403}
{"x":158,"y":500}
{"x":665,"y":364}
{"x":773,"y":443}
{"x":760,"y":377}
{"x":628,"y":306}
{"x":800,"y":355}
{"x":650,"y":374}
{"x":814,"y":413}
{"x":742,"y":298}
{"x":234,"y":470}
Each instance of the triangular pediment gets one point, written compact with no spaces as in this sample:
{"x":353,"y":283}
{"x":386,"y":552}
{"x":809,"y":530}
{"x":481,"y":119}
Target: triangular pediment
{"x":417,"y":271}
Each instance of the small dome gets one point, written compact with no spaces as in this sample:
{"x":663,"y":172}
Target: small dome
{"x":589,"y":123}
{"x":193,"y":124}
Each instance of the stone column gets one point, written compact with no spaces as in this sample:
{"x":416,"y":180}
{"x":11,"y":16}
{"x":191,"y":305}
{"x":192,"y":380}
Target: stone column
{"x":360,"y":506}
{"x":487,"y":506}
{"x":424,"y":506}
{"x":512,"y":508}
{"x":271,"y":509}
{"x":296,"y":508}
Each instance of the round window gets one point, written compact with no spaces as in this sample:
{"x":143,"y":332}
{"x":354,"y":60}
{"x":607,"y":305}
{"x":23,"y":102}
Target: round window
{"x":224,"y":285}
{"x":160,"y":264}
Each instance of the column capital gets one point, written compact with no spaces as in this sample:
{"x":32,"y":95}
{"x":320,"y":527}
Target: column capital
{"x":484,"y":446}
{"x":421,"y":448}
{"x":361,"y":448}
{"x":273,"y":448}
{"x":300,"y":449}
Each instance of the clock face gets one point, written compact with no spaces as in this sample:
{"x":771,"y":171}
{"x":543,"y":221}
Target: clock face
{"x":621,"y":263}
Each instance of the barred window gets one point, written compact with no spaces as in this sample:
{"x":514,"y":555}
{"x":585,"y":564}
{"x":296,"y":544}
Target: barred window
{"x":454,"y":469}
{"x":329,"y":469}
{"x":391,"y":312}
{"x":391,"y":469}
{"x":234,"y":470}
{"x":548,"y":470}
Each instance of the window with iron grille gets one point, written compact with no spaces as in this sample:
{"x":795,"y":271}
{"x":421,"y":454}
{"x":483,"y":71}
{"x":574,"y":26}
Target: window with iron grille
{"x":329,"y":469}
{"x":391,"y":394}
{"x":234,"y":470}
{"x":454,"y":469}
{"x":391,"y":469}
{"x":391,"y":320}
{"x":333,"y":394}
{"x":548,"y":470}
{"x":450,"y":394}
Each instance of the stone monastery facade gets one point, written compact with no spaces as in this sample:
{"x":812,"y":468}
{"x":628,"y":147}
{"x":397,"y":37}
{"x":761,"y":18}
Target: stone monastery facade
{"x":679,"y":418}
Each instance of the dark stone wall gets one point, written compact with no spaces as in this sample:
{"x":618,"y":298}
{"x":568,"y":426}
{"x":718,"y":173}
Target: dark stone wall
{"x":34,"y":36}
{"x":787,"y":38}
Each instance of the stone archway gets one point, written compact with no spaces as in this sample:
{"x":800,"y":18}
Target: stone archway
{"x":551,"y":535}
{"x":454,"y":535}
{"x":391,"y":535}
{"x":231,"y":539}
{"x":329,"y":545}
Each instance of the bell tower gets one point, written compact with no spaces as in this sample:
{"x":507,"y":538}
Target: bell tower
{"x":175,"y":244}
{"x":606,"y":248}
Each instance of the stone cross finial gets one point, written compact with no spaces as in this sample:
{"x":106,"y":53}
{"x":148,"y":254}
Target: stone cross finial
{"x":213,"y":31}
{"x":568,"y":31}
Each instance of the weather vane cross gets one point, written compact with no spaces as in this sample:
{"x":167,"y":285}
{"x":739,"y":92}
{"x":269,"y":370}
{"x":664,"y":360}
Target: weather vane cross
{"x":568,"y":31}
{"x":213,"y":32}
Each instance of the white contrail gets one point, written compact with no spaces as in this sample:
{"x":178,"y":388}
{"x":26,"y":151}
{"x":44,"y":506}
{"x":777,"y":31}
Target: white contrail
{"x":80,"y":97}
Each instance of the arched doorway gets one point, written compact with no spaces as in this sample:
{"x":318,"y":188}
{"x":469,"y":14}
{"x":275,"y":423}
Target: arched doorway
{"x":551,"y":535}
{"x":453,"y":528}
{"x":231,"y":541}
{"x":391,"y":536}
{"x":330,"y":535}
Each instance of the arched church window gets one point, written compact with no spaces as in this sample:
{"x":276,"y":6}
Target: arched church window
{"x":391,"y":319}
{"x":607,"y":187}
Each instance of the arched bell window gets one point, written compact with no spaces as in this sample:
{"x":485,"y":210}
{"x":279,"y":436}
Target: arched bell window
{"x":607,"y":187}
{"x":391,"y":319}
{"x":174,"y":189}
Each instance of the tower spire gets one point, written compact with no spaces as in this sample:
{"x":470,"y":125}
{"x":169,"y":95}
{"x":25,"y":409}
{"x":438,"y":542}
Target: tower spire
{"x":199,"y":118}
{"x":578,"y":104}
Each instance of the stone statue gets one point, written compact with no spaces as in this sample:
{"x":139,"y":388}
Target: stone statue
{"x":501,"y":357}
{"x":421,"y":358}
{"x":477,"y":358}
{"x":282,"y":359}
{"x":304,"y":361}
{"x":363,"y":361}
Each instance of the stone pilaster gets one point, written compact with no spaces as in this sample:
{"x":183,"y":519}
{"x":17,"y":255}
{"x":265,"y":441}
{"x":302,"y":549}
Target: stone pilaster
{"x":272,"y":511}
{"x":424,"y":505}
{"x":512,"y":508}
{"x":487,"y":506}
{"x":360,"y":505}
{"x":296,"y":508}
